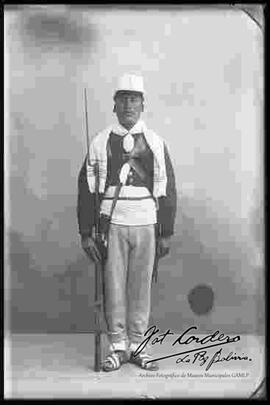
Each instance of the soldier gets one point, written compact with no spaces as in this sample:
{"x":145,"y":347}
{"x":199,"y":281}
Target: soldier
{"x":141,"y":223}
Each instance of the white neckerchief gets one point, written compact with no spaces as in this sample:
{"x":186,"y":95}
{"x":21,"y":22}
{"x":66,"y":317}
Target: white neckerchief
{"x":120,"y":130}
{"x":98,"y":153}
{"x":128,"y":143}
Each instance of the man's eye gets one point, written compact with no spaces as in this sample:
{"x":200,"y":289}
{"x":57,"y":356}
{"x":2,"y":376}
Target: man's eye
{"x":130,"y":99}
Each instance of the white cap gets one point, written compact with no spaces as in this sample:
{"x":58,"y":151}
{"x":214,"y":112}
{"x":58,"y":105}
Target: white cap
{"x":130,"y":82}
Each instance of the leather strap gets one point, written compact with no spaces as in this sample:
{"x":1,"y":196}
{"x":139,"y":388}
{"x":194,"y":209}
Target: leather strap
{"x":115,"y":198}
{"x":129,"y":198}
{"x":135,"y":166}
{"x":132,"y":162}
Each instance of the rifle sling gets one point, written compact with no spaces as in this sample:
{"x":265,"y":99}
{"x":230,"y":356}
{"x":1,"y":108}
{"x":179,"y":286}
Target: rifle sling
{"x":141,"y":173}
{"x":115,"y":198}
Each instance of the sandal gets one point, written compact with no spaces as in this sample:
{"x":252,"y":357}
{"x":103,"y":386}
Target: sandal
{"x":114,"y":360}
{"x":142,"y":360}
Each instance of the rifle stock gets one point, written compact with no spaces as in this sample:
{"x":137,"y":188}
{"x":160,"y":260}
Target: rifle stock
{"x":98,"y":306}
{"x":98,"y":282}
{"x":98,"y":266}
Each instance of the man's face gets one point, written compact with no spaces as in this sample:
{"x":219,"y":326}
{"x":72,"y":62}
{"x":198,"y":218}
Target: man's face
{"x":128,"y":107}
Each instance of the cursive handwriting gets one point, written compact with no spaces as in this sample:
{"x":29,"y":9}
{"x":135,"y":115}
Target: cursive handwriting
{"x":152,"y":331}
{"x":202,"y":357}
{"x":215,"y":337}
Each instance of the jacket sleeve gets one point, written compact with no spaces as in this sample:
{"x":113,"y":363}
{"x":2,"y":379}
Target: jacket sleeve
{"x":167,"y":205}
{"x":85,"y":204}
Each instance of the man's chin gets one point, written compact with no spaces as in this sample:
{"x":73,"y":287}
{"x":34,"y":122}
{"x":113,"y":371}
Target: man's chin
{"x":128,"y":121}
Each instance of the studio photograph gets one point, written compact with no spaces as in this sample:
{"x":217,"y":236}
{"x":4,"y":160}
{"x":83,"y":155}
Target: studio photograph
{"x":134,"y":229}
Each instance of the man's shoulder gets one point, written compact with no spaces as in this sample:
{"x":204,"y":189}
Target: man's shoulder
{"x":101,"y":134}
{"x":155,"y":137}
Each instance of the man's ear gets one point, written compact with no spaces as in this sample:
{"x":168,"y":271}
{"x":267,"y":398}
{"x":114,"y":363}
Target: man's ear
{"x":142,"y":107}
{"x":114,"y":109}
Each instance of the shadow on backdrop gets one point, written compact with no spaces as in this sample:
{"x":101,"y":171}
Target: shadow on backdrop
{"x":208,"y":280}
{"x":211,"y":278}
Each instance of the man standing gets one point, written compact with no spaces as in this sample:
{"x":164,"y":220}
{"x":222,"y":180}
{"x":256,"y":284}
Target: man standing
{"x":129,"y":153}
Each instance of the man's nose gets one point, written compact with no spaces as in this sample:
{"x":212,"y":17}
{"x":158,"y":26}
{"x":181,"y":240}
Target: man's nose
{"x":127,"y":103}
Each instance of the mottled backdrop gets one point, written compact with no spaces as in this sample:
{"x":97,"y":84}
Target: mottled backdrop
{"x":203,"y":70}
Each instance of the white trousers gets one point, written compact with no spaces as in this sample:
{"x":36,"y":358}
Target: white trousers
{"x":127,"y":284}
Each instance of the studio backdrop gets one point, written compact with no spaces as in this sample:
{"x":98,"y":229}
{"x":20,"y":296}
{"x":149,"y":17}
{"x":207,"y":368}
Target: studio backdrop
{"x":203,"y":73}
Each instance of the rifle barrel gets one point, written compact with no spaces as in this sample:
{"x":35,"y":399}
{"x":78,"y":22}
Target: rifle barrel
{"x":98,"y":280}
{"x":86,"y":123}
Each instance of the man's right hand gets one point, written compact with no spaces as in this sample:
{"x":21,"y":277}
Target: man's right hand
{"x":90,"y":248}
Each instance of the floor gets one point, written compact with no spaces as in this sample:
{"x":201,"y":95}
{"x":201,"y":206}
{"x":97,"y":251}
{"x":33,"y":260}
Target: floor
{"x":61,"y":366}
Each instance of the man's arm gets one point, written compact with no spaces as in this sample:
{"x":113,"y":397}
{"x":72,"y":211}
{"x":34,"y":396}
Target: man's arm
{"x":167,"y":205}
{"x":85,"y":204}
{"x":86,"y":216}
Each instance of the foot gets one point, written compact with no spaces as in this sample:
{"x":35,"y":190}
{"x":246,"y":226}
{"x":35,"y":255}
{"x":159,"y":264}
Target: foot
{"x":142,"y":360}
{"x":114,"y":360}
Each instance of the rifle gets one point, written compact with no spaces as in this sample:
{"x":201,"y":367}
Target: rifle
{"x":98,"y":266}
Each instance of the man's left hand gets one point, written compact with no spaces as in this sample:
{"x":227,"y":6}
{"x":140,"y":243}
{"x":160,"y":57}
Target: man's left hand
{"x":163,"y":246}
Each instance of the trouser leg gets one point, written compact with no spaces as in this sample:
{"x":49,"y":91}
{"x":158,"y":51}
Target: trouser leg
{"x":141,"y":261}
{"x":115,"y":287}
